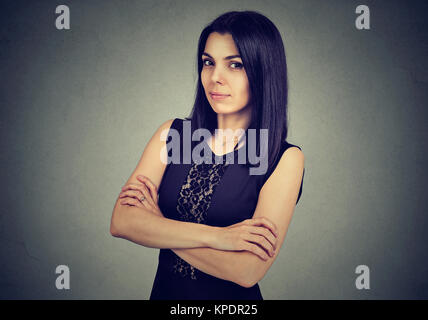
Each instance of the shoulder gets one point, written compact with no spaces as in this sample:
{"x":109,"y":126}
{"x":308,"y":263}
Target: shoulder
{"x":168,"y":123}
{"x":157,"y":141}
{"x":292,"y":159}
{"x":288,"y":169}
{"x":164,"y":128}
{"x":175,"y":123}
{"x":293,"y":156}
{"x":152,"y":162}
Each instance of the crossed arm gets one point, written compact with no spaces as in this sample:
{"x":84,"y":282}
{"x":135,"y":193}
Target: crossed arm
{"x":276,"y":202}
{"x":195,"y":243}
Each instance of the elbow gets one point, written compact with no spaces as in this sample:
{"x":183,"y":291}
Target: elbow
{"x":118,"y":222}
{"x":115,"y":228}
{"x":243,"y":283}
{"x":247,"y":282}
{"x":114,"y":231}
{"x":250,"y":275}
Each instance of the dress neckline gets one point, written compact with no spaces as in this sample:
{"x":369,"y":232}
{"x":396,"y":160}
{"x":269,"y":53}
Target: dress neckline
{"x":234,"y":154}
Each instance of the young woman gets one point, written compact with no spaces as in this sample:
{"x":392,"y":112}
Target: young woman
{"x":220,"y":228}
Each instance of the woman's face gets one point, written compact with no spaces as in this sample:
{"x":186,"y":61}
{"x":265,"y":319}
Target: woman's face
{"x":224,"y":73}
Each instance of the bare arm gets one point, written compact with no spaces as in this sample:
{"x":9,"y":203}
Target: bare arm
{"x":243,"y":267}
{"x":143,"y":227}
{"x":190,"y":241}
{"x":276,"y":202}
{"x":226,"y":265}
{"x":137,"y":225}
{"x":146,"y":225}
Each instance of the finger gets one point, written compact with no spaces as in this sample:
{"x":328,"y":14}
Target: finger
{"x":263,"y":221}
{"x":260,"y":240}
{"x":136,"y":200}
{"x":256,"y":250}
{"x":132,"y":202}
{"x":149,"y":195}
{"x":136,"y":196}
{"x":129,"y":185}
{"x":262,"y":231}
{"x":143,"y":191}
{"x":151,"y":185}
{"x":130,"y":194}
{"x":269,"y":224}
{"x":274,"y":228}
{"x":147,"y":202}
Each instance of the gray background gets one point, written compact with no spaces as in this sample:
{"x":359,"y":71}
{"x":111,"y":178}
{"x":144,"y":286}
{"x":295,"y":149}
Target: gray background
{"x":78,"y":107}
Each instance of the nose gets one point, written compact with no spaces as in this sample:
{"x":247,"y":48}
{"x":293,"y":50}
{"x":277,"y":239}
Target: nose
{"x":217,"y":75}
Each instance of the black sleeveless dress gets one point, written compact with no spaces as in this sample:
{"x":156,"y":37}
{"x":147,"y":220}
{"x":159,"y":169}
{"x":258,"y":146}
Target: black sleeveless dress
{"x":213,"y":194}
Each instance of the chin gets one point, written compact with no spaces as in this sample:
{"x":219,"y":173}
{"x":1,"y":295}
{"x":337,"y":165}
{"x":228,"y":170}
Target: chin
{"x":223,"y":110}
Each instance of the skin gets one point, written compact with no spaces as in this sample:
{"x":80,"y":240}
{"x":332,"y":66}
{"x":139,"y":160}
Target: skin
{"x":247,"y":265}
{"x":226,"y":76}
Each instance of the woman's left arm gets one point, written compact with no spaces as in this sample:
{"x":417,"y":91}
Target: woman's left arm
{"x":277,"y":200}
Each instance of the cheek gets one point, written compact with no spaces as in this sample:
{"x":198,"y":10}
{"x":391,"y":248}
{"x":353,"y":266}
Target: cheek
{"x":245,"y":89}
{"x":204,"y":77}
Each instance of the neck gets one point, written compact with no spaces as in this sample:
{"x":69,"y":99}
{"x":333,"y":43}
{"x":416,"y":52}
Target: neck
{"x":231,"y":123}
{"x":235,"y":121}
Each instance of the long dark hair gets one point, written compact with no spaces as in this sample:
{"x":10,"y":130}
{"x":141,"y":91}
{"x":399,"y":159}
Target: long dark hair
{"x":263,"y":55}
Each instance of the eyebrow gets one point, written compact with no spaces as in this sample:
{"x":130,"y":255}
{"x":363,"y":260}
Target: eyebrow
{"x":226,"y":58}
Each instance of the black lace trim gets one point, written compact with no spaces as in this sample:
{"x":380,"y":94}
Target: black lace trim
{"x":194,"y":201}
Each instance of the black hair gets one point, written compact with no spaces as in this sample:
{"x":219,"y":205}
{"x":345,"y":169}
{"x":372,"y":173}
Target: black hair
{"x":260,"y":46}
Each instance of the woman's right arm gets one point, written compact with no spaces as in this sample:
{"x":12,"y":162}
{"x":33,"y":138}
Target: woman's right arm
{"x":147,"y":229}
{"x":144,"y":227}
{"x":141,"y":226}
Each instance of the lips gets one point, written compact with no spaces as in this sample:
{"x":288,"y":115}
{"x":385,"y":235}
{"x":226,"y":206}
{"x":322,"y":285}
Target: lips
{"x":219,"y":94}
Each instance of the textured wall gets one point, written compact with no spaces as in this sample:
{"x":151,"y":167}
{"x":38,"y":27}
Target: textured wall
{"x":79,"y":105}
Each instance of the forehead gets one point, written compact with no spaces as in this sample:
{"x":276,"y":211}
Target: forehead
{"x":220,"y":45}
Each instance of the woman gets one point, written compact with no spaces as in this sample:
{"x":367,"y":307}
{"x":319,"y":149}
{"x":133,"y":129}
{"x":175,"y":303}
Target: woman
{"x":219,"y":227}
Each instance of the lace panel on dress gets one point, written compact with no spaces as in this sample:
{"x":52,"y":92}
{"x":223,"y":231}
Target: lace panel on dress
{"x":194,"y":201}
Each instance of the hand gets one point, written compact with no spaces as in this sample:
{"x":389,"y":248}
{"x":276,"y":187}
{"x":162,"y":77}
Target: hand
{"x":133,"y":192}
{"x":257,"y":235}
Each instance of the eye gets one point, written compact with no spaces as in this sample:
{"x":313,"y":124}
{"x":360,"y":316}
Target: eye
{"x":237,"y":64}
{"x":204,"y":62}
